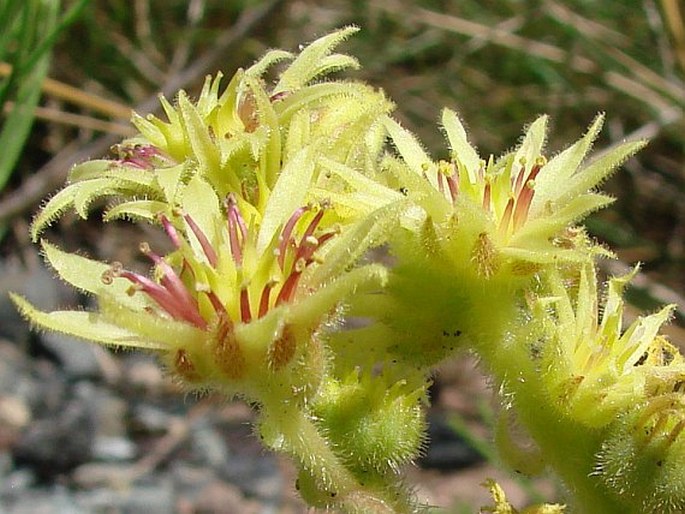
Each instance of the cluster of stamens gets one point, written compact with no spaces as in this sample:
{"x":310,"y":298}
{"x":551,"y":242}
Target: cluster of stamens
{"x":145,"y":157}
{"x":522,"y":190}
{"x":294,"y":252}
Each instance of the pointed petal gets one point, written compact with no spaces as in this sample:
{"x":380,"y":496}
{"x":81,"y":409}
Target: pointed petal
{"x":200,"y":202}
{"x":347,"y":248}
{"x":137,"y":210}
{"x":312,"y":61}
{"x":408,"y":146}
{"x":552,"y":182}
{"x":86,"y":275}
{"x":203,"y":148}
{"x":52,"y":210}
{"x":461,"y":148}
{"x":533,"y":142}
{"x":267,"y":61}
{"x":289,"y":193}
{"x":598,"y":170}
{"x":85,"y":325}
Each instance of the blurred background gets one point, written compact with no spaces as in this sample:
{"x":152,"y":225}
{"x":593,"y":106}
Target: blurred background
{"x":86,"y":430}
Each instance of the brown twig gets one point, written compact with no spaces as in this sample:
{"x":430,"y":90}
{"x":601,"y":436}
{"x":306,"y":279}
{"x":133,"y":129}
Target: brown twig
{"x":78,"y":120}
{"x":77,"y":96}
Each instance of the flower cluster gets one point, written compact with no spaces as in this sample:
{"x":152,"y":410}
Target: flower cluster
{"x":271,"y":197}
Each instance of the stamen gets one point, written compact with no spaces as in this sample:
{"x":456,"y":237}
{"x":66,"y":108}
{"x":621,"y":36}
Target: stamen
{"x":219,"y":307}
{"x":176,"y":289}
{"x":506,"y":217}
{"x":164,"y":298}
{"x":525,"y":196}
{"x":302,"y":247}
{"x":245,"y":311}
{"x":203,"y":240}
{"x":441,"y":182}
{"x":284,"y":238}
{"x":235,"y":223}
{"x":288,"y":289}
{"x":520,"y":176}
{"x":171,"y":231}
{"x":486,"y":195}
{"x":264,"y":300}
{"x":453,"y":184}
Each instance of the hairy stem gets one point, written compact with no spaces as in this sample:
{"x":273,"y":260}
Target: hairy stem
{"x":288,"y":429}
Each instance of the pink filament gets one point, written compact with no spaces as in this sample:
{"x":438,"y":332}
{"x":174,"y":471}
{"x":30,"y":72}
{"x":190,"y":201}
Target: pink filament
{"x":245,"y":311}
{"x":453,"y":184}
{"x":264,"y":301}
{"x":203,"y":240}
{"x":171,"y":231}
{"x":234,"y":224}
{"x":286,"y":235}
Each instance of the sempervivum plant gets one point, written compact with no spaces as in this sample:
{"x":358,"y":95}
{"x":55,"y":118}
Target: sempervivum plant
{"x":270,"y":197}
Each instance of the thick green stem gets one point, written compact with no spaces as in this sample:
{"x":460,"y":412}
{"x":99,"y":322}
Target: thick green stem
{"x":286,"y":428}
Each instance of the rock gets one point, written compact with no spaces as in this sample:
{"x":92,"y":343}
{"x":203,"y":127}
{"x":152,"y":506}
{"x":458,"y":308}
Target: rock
{"x":38,"y":286}
{"x":14,"y":417}
{"x":219,"y":497}
{"x":92,"y":475}
{"x":78,"y":358}
{"x":209,"y":447}
{"x":54,"y":500}
{"x":147,"y":419}
{"x":113,"y":449}
{"x":154,"y":495}
{"x":59,"y":441}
